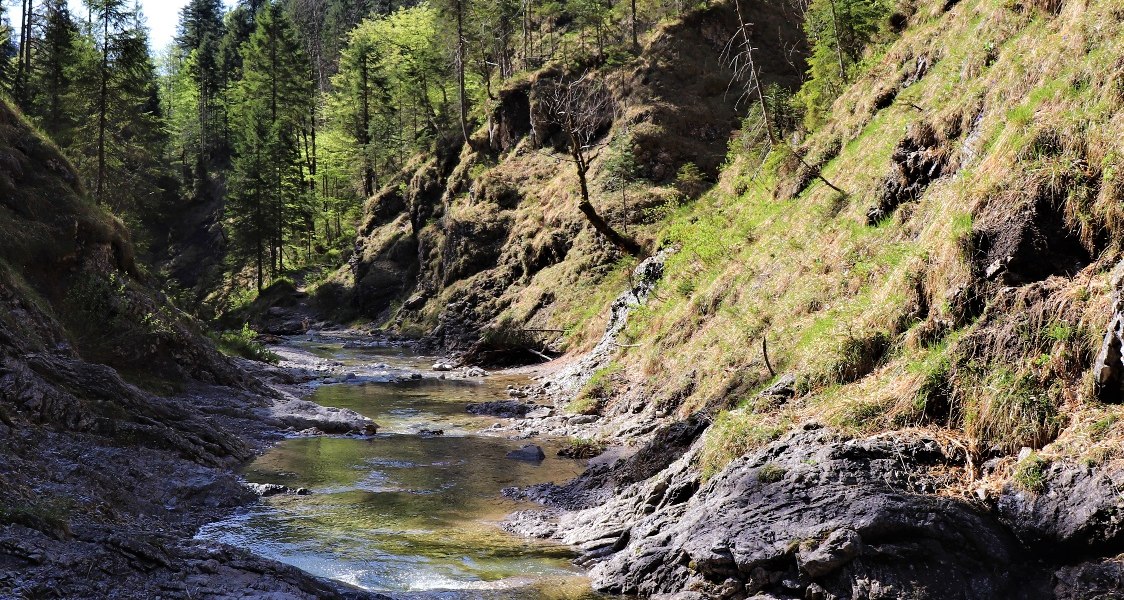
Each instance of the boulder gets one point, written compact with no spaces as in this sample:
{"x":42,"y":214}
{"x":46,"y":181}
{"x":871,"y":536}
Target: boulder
{"x":265,"y":490}
{"x":508,"y":409}
{"x":540,"y":413}
{"x":529,"y":453}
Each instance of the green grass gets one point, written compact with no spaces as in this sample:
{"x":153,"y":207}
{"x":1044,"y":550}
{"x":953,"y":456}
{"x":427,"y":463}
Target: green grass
{"x":1030,"y":473}
{"x":243,"y":343}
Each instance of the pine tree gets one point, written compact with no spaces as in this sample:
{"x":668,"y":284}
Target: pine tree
{"x":274,"y":97}
{"x":50,"y":80}
{"x":201,"y":29}
{"x":119,"y":137}
{"x":7,"y":50}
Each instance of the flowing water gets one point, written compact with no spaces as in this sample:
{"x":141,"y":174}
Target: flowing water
{"x":411,"y":515}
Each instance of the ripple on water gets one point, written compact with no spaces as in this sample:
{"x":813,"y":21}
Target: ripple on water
{"x":411,"y":515}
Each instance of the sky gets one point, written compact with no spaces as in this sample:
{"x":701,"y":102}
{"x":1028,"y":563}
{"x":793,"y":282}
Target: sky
{"x":163,"y":17}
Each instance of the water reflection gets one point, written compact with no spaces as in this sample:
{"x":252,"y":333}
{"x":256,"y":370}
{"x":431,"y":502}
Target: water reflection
{"x":415,"y":516}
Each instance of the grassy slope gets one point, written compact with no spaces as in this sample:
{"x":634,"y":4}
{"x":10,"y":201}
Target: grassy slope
{"x":1026,"y":103}
{"x":505,"y":236}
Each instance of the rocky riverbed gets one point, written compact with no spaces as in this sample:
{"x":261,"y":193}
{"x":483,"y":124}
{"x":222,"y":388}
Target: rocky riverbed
{"x":110,"y":508}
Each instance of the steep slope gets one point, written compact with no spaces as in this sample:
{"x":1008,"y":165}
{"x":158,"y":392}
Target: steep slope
{"x":102,"y":484}
{"x":487,"y":250}
{"x":945,"y":337}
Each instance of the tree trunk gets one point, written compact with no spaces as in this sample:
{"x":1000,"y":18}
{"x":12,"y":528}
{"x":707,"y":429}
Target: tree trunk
{"x":364,"y":133}
{"x":838,"y":44}
{"x":461,"y":90}
{"x":627,"y":244}
{"x":103,"y":101}
{"x":635,"y":35}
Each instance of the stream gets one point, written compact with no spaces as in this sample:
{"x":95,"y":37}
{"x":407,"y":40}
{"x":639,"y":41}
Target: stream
{"x":403,"y":513}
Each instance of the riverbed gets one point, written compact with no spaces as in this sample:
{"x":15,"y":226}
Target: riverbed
{"x":407,"y":512}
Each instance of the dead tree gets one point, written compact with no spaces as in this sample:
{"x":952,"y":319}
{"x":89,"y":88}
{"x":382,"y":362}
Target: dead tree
{"x":739,"y":54}
{"x":582,"y":108}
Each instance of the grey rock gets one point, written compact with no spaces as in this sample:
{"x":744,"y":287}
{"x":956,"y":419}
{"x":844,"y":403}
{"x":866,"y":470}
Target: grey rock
{"x":442,"y":366}
{"x":540,"y":413}
{"x":264,"y":490}
{"x":1108,"y":367}
{"x":1100,"y":579}
{"x":529,"y":453}
{"x":840,"y":548}
{"x":784,"y":388}
{"x":1081,"y":509}
{"x":583,"y":419}
{"x":677,"y":533}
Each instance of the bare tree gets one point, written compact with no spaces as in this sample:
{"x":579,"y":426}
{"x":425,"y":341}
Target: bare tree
{"x":582,"y":108}
{"x":739,"y":55}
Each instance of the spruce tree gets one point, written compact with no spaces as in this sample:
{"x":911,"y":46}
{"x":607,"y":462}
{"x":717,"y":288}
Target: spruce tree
{"x":274,"y":97}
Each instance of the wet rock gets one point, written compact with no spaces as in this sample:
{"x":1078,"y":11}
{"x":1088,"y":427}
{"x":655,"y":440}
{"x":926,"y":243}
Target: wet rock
{"x":529,"y":453}
{"x":264,"y":490}
{"x":431,"y":432}
{"x":583,"y":419}
{"x":508,"y":409}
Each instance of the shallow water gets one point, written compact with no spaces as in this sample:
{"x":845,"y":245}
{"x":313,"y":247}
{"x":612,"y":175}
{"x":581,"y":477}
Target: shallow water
{"x":410,"y":515}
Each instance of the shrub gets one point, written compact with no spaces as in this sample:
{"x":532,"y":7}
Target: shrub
{"x":244,"y":343}
{"x":582,"y":448}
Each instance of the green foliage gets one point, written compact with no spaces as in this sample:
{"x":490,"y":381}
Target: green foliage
{"x":689,"y":180}
{"x":733,"y":434}
{"x":244,"y":343}
{"x":840,"y":31}
{"x":50,"y":515}
{"x":1030,"y":473}
{"x":1013,"y":410}
{"x":582,"y":448}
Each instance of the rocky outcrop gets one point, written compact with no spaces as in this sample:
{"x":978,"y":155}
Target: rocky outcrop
{"x":1078,"y":512}
{"x":1108,"y":368}
{"x":808,"y":516}
{"x":921,"y":158}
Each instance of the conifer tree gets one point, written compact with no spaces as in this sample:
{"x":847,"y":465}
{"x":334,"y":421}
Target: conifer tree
{"x":273,"y":99}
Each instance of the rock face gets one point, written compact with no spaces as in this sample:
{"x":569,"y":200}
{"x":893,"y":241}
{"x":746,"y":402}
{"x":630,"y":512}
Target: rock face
{"x":1108,"y":369}
{"x":809,"y":516}
{"x":1079,"y":510}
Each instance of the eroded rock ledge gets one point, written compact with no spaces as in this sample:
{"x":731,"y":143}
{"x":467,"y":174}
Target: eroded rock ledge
{"x":814,"y":515}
